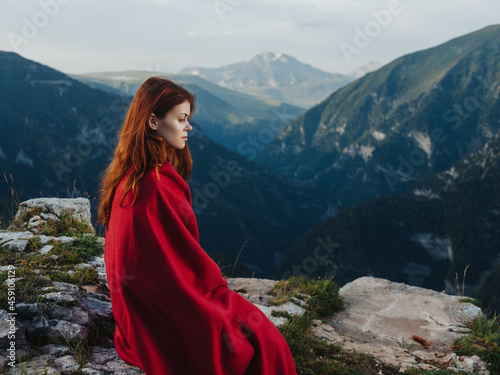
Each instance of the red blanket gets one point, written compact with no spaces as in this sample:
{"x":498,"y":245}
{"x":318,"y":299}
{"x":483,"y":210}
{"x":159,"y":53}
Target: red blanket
{"x":174,"y":312}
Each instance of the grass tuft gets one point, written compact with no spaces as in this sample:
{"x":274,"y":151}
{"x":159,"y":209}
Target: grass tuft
{"x":322,"y":295}
{"x":483,"y":340}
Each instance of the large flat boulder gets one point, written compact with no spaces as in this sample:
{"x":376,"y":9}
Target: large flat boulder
{"x":392,"y":321}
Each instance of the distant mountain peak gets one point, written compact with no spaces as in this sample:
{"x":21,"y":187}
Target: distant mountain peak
{"x":264,"y":70}
{"x":274,"y":76}
{"x":272,"y":57}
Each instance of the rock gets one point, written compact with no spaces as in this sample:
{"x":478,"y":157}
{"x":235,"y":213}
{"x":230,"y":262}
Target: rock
{"x":66,"y":364}
{"x":64,"y":239}
{"x":93,"y":288}
{"x":60,"y":330}
{"x":260,"y":299}
{"x":277,"y":320}
{"x":381,"y":318}
{"x":8,"y":325}
{"x":247,"y":286}
{"x":63,"y":287}
{"x":91,"y":371}
{"x":40,"y":365}
{"x":6,"y":236}
{"x":79,"y":208}
{"x":55,"y":350}
{"x":16,"y":245}
{"x":96,"y":261}
{"x":107,"y":359}
{"x":46,"y":249}
{"x":99,"y":305}
{"x":288,"y":307}
{"x":60,"y":297}
{"x":15,"y":241}
{"x":29,"y":310}
{"x":71,"y":314}
{"x":49,"y":217}
{"x":384,"y":311}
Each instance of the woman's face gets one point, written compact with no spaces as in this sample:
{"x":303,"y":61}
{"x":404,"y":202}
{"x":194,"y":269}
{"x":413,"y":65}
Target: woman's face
{"x":174,"y":126}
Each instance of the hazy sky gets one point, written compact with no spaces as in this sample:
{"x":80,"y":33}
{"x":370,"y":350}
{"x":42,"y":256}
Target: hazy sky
{"x":81,"y":36}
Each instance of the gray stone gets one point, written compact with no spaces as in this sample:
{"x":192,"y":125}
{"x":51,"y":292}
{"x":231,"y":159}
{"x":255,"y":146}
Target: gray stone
{"x":91,"y":371}
{"x":60,"y":329}
{"x":66,"y":364}
{"x":6,"y":236}
{"x":96,"y":261}
{"x":55,"y":350}
{"x":261,"y":299}
{"x":107,"y":359}
{"x":390,"y":310}
{"x":49,"y":216}
{"x":99,"y":305}
{"x":64,"y":239}
{"x":8,"y":325}
{"x":29,"y":310}
{"x":16,"y":245}
{"x":382,"y":317}
{"x":39,"y":365}
{"x":249,"y":285}
{"x":79,"y":208}
{"x":60,"y":297}
{"x":277,"y":321}
{"x":63,"y":287}
{"x":288,"y":307}
{"x":72,"y":314}
{"x":46,"y":249}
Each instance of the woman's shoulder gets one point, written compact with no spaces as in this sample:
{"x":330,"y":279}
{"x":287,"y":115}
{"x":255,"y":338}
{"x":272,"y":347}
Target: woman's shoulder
{"x":164,"y":179}
{"x":164,"y":175}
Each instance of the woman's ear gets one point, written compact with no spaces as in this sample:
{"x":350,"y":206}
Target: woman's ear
{"x":152,"y":122}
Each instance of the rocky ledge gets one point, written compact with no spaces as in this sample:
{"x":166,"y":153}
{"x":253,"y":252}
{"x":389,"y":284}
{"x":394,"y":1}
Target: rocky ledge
{"x":63,"y":323}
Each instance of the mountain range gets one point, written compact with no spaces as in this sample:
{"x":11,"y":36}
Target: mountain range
{"x":413,"y":117}
{"x":276,"y":76}
{"x":229,"y":117}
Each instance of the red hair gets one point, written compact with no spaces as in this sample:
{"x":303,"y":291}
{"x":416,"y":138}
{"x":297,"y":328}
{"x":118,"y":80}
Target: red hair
{"x":140,"y":147}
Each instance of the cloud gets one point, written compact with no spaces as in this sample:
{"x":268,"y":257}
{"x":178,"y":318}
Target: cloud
{"x":282,"y":26}
{"x":96,"y":35}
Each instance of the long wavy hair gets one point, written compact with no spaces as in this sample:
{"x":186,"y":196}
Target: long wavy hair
{"x":140,"y":147}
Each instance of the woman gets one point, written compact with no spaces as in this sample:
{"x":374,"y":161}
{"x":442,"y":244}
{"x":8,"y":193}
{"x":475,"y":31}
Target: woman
{"x":174,"y":312}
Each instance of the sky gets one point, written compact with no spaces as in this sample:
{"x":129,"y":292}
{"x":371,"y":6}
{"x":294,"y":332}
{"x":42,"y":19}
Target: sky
{"x":337,"y":36}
